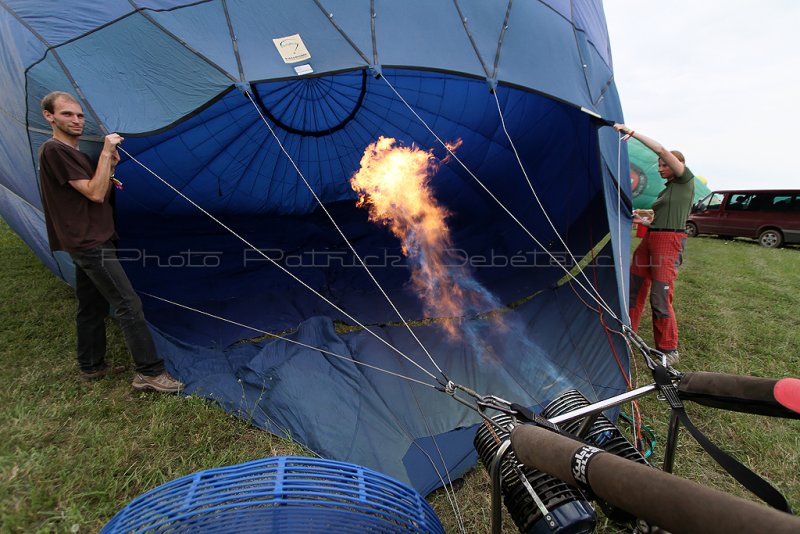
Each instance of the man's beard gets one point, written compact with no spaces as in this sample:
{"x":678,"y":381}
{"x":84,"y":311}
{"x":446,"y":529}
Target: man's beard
{"x":68,"y":131}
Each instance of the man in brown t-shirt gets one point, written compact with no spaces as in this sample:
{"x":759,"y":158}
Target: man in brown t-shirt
{"x":79,"y":219}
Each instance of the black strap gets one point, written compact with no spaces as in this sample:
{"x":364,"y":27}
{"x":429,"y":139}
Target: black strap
{"x":751,"y":481}
{"x":526,"y":414}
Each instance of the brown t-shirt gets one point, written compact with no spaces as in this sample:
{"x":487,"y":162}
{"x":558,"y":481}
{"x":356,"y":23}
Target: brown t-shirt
{"x":73,"y":221}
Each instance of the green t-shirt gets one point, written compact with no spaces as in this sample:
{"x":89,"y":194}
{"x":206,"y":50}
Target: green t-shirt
{"x":674,"y":203}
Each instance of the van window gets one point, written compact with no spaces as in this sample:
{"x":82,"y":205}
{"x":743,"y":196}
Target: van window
{"x":780,"y":203}
{"x":776,"y":202}
{"x":739,"y":201}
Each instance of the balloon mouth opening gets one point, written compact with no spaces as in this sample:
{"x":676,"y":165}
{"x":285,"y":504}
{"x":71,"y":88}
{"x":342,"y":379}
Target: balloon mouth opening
{"x":227,"y":160}
{"x":312,"y":107}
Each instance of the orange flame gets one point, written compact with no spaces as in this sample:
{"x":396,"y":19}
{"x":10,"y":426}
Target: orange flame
{"x":394,"y":183}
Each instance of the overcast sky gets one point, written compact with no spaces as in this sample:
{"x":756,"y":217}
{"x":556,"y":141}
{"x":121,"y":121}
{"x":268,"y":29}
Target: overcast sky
{"x":718,"y":80}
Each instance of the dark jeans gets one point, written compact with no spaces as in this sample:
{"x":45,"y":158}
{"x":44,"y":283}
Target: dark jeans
{"x":100,"y":282}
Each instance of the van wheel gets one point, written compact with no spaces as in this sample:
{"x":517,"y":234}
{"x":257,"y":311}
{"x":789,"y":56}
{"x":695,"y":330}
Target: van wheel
{"x":770,"y":238}
{"x":691,"y":229}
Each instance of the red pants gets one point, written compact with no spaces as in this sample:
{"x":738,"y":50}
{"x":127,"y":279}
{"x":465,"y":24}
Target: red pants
{"x":654,"y":268}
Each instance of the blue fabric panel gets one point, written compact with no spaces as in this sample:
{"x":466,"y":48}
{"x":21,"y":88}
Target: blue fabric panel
{"x":167,"y":4}
{"x":610,"y":108}
{"x":425,"y":452}
{"x":58,"y":23}
{"x":18,"y":50}
{"x":563,"y":7}
{"x":355,"y":20}
{"x":619,"y":205}
{"x":425,"y":34}
{"x":590,"y":18}
{"x":172,"y":81}
{"x":204,"y":28}
{"x":28,"y":223}
{"x":485,"y":22}
{"x":16,"y":166}
{"x":539,"y":52}
{"x":598,"y":74}
{"x":256,"y":27}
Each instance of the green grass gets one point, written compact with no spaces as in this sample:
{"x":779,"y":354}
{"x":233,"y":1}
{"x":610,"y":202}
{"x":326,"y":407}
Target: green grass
{"x":738,"y":308}
{"x":73,"y":454}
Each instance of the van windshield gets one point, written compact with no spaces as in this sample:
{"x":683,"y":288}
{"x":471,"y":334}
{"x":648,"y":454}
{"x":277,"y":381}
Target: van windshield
{"x":711,"y":202}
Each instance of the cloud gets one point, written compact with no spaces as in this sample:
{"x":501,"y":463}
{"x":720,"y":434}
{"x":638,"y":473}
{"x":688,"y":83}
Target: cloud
{"x":717,"y":79}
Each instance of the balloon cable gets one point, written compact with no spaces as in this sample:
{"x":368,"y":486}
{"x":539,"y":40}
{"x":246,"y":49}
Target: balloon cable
{"x":283,"y":338}
{"x":497,"y":200}
{"x":450,"y":386}
{"x":447,"y":484}
{"x":279,"y":266}
{"x":344,"y":237}
{"x":582,"y":271}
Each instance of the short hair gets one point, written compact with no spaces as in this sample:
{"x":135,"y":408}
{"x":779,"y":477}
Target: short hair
{"x":49,"y":101}
{"x":678,"y":154}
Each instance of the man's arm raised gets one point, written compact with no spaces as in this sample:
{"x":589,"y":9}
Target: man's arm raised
{"x":96,"y":188}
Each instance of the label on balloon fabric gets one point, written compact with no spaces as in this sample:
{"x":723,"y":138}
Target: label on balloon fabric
{"x":292,"y":49}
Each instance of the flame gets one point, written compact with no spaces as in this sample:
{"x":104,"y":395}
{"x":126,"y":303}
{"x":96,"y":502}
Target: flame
{"x":394,"y":184}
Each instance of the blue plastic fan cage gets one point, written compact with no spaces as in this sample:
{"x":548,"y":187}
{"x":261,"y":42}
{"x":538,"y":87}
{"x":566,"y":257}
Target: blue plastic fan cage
{"x":283,"y":494}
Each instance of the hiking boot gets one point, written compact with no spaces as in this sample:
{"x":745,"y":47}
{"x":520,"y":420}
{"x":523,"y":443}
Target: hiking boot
{"x":91,"y":376}
{"x":672,"y":357}
{"x":163,"y":383}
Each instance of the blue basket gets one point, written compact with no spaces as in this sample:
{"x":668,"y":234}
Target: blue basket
{"x":280,"y":494}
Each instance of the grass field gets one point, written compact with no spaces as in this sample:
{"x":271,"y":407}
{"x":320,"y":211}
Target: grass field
{"x":74,"y":454}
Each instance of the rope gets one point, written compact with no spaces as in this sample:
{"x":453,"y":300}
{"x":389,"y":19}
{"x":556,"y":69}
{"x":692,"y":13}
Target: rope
{"x":449,"y":489}
{"x":599,"y":311}
{"x":279,"y":266}
{"x":341,"y":233}
{"x":498,"y":201}
{"x":283,"y":338}
{"x":595,"y":296}
{"x":599,"y":298}
{"x":448,"y":485}
{"x":606,"y":307}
